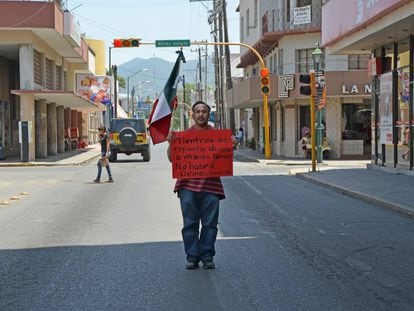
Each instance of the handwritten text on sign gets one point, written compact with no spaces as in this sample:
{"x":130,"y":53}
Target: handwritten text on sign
{"x":202,"y":154}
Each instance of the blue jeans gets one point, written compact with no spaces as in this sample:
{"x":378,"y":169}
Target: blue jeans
{"x":196,"y":207}
{"x":108,"y":169}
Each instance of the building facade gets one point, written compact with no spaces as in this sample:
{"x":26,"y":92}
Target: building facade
{"x":285,"y":33}
{"x":41,"y":51}
{"x":385,"y":29}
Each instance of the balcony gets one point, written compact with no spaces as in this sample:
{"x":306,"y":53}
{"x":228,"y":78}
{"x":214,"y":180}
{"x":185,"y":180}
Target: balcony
{"x":282,"y":22}
{"x":45,"y":19}
{"x":285,"y":21}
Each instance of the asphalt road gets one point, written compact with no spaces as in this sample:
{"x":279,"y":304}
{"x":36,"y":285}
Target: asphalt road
{"x":284,"y":244}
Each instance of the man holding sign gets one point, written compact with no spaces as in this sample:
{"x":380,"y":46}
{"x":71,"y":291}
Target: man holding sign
{"x":199,"y":157}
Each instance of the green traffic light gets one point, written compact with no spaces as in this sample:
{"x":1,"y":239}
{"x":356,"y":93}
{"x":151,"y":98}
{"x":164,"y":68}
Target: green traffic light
{"x":135,"y":42}
{"x":265,"y":89}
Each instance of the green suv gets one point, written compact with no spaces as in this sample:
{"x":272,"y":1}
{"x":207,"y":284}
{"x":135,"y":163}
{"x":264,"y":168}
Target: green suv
{"x":128,"y":135}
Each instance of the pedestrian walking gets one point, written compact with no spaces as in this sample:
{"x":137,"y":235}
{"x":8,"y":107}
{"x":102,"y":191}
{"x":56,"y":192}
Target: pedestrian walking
{"x":103,"y":161}
{"x":240,"y":136}
{"x":199,"y":200}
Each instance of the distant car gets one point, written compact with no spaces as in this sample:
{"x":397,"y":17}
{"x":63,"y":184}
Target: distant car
{"x":128,"y":135}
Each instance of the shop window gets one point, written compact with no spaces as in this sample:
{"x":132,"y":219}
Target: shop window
{"x":242,"y":29}
{"x":247,"y":22}
{"x":304,"y":120}
{"x":356,"y":122}
{"x":49,"y":74}
{"x":304,"y":60}
{"x":358,"y":61}
{"x":403,"y":120}
{"x":301,"y":3}
{"x":273,"y":123}
{"x":37,"y":68}
{"x":282,"y":115}
{"x":280,"y":62}
{"x":58,"y":78}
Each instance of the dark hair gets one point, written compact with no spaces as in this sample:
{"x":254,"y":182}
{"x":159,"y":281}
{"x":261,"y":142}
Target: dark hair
{"x":200,"y":102}
{"x":102,"y":128}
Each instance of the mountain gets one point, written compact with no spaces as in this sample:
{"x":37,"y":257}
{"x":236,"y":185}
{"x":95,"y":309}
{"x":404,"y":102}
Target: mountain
{"x":158,"y":73}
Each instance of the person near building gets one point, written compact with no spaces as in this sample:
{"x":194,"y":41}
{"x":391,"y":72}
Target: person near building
{"x":305,"y":141}
{"x":240,"y":136}
{"x":103,"y":161}
{"x":199,"y":200}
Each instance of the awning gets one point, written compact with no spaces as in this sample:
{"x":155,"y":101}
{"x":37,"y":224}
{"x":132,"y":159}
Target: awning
{"x":68,"y":99}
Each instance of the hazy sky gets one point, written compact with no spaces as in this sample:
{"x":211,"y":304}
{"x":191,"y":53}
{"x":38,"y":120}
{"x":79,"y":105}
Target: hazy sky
{"x":150,"y":20}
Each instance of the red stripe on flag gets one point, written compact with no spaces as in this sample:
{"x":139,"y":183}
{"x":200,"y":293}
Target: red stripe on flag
{"x":160,"y":129}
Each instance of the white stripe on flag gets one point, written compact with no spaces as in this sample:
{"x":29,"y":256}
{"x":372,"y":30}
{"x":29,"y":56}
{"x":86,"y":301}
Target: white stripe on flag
{"x":162,"y":110}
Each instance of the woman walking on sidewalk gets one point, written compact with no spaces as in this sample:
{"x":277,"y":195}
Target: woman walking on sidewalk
{"x":103,"y":161}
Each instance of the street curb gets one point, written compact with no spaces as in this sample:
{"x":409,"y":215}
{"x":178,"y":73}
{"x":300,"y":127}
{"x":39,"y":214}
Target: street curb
{"x":34,"y":164}
{"x":360,"y":196}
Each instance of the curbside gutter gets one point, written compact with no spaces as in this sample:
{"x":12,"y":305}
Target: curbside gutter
{"x":406,"y":210}
{"x":57,"y":163}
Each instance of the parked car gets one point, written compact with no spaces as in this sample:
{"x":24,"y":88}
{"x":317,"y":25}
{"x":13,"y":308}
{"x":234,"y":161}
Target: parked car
{"x":128,"y":135}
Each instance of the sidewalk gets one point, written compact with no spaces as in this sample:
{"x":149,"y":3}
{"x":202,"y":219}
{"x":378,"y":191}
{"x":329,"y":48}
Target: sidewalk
{"x":352,"y":178}
{"x":73,"y":157}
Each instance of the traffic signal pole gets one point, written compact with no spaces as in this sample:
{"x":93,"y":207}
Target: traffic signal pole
{"x":268,"y":152}
{"x":312,"y":120}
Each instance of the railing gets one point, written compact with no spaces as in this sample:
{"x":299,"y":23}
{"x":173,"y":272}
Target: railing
{"x":282,"y":20}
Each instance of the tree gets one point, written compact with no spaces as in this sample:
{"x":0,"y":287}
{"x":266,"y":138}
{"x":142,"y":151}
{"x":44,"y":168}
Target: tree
{"x":121,"y":82}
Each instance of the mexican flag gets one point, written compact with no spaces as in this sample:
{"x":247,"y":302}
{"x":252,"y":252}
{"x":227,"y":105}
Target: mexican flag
{"x":161,"y":113}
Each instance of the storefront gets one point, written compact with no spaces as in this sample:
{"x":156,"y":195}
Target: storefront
{"x":393,"y":104}
{"x":384,"y":28}
{"x":346,"y":117}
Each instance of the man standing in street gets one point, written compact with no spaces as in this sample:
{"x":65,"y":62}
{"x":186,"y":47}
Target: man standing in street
{"x":199,"y":199}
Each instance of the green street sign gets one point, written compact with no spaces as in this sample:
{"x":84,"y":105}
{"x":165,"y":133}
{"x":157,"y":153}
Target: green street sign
{"x":171,"y":43}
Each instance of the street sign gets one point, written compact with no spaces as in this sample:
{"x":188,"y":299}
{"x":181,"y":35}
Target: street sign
{"x":171,"y":43}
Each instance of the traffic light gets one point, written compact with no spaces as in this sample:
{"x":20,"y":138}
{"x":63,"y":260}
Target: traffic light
{"x":306,"y":89}
{"x":265,"y":81}
{"x":126,"y":43}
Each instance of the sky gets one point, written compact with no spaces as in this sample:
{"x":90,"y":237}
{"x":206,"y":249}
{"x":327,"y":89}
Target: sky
{"x":150,"y":20}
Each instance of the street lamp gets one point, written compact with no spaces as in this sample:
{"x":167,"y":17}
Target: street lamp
{"x":317,"y":55}
{"x":134,"y":74}
{"x":139,"y":93}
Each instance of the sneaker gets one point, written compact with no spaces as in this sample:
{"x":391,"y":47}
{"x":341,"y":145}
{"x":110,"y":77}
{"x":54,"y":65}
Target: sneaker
{"x":110,"y":180}
{"x":209,"y":264}
{"x":97,"y":181}
{"x":191,"y":265}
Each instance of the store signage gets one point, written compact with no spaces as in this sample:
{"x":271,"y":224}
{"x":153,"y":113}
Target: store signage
{"x":354,"y":89}
{"x":285,"y":84}
{"x":302,"y":15}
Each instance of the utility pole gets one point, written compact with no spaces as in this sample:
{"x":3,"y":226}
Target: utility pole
{"x":200,"y":89}
{"x":221,"y":69}
{"x":114,"y":70}
{"x":229,"y":82}
{"x":217,"y":92}
{"x":205,"y":75}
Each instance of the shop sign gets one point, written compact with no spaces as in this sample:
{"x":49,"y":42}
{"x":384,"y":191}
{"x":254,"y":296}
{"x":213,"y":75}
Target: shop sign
{"x":354,"y":89}
{"x":302,"y":15}
{"x":286,"y":83}
{"x":385,"y":108}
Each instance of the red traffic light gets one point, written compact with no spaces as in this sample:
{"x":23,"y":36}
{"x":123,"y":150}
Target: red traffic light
{"x":117,"y":43}
{"x":264,"y":72}
{"x":126,"y":43}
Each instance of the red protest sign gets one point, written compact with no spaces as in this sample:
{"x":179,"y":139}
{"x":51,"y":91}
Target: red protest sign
{"x":202,"y":154}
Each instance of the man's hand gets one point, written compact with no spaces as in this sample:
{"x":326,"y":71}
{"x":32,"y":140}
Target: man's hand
{"x":170,"y":136}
